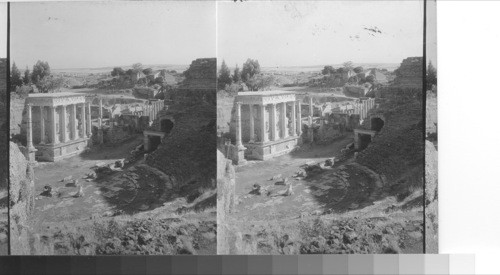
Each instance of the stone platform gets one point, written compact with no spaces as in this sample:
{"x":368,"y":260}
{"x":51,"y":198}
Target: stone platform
{"x":270,"y":149}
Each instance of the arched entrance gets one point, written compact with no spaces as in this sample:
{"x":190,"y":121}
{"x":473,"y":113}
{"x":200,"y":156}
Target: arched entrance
{"x":166,"y":126}
{"x":377,"y":124}
{"x":364,"y":140}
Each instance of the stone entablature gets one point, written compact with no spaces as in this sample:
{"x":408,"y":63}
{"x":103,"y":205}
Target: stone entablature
{"x":55,"y":99}
{"x":265,"y":98}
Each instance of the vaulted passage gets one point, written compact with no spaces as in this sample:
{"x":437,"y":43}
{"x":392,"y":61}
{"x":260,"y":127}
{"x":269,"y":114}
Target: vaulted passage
{"x":377,"y":124}
{"x":154,"y":142}
{"x":166,"y":125}
{"x":364,"y":140}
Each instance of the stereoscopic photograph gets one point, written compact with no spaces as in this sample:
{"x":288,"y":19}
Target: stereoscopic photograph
{"x":219,"y":127}
{"x":112,"y":128}
{"x":321,"y":127}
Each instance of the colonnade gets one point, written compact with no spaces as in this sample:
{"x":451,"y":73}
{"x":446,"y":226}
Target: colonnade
{"x":63,"y":135}
{"x":284,"y":129}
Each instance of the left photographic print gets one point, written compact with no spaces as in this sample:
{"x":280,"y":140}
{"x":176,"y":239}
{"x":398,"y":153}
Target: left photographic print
{"x":4,"y":221}
{"x":112,"y":128}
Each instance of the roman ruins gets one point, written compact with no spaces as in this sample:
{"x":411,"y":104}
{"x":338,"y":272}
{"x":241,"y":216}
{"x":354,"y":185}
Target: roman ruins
{"x":268,"y":124}
{"x":58,"y":125}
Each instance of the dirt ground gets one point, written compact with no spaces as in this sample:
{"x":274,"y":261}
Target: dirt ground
{"x":115,"y":214}
{"x":345,"y":198}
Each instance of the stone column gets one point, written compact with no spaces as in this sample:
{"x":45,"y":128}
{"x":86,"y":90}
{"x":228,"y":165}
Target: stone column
{"x":294,"y":120}
{"x":311,"y":108}
{"x":100,"y":113}
{"x":238,"y":125}
{"x":252,"y":125}
{"x":29,"y":131}
{"x":299,"y":118}
{"x":84,"y":122}
{"x":29,"y":137}
{"x":74,"y":122}
{"x":284,"y":130}
{"x":63,"y":124}
{"x":273,"y":123}
{"x":89,"y":120}
{"x":263,"y":123}
{"x":42,"y":125}
{"x":54,"y":138}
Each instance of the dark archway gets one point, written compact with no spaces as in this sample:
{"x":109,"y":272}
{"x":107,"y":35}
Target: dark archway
{"x":377,"y":124}
{"x":154,"y":141}
{"x":364,"y":140}
{"x":166,"y":126}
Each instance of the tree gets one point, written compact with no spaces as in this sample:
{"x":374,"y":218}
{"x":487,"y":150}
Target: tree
{"x":224,"y":76}
{"x":40,"y":70}
{"x":137,"y":67}
{"x":431,"y":78}
{"x":358,"y":69}
{"x":26,"y":79}
{"x":51,"y":83}
{"x":147,"y":71}
{"x":250,"y":68}
{"x":328,"y":70}
{"x":370,"y":79}
{"x":348,"y":65}
{"x":15,"y":76}
{"x":260,"y":82}
{"x":341,"y":70}
{"x":117,"y":71}
{"x":236,"y":74}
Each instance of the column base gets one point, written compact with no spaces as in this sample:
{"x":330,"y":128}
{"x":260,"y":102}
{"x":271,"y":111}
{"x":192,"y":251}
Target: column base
{"x":240,"y":155}
{"x":31,"y":155}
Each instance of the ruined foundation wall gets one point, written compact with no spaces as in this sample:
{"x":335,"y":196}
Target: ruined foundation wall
{"x":399,"y":146}
{"x":225,"y":201}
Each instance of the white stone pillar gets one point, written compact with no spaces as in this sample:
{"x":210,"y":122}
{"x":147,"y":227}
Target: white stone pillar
{"x":42,"y":125}
{"x":29,"y":131}
{"x":64,"y":123}
{"x":294,"y":120}
{"x":238,"y":125}
{"x":100,"y":112}
{"x":274,"y":132}
{"x":54,"y":138}
{"x":74,"y":122}
{"x":84,"y":123}
{"x":89,"y":120}
{"x":311,"y":108}
{"x":284,"y":130}
{"x":299,"y":118}
{"x":263,"y":124}
{"x":252,"y":125}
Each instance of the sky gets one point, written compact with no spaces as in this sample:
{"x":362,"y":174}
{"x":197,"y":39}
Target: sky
{"x":3,"y":29}
{"x":307,"y":33}
{"x":114,"y":33}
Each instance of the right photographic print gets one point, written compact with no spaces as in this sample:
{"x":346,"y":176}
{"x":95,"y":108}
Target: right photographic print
{"x":322,"y":128}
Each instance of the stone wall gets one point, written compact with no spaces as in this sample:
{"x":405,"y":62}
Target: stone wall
{"x":187,"y":153}
{"x":225,"y":201}
{"x":410,"y":73}
{"x":22,"y":203}
{"x":4,"y":134}
{"x":117,"y":134}
{"x":17,"y":114}
{"x":201,"y":75}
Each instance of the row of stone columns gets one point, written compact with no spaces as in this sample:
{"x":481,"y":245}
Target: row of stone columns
{"x":363,"y":107}
{"x":296,"y":122}
{"x":153,"y":109}
{"x":54,"y":137}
